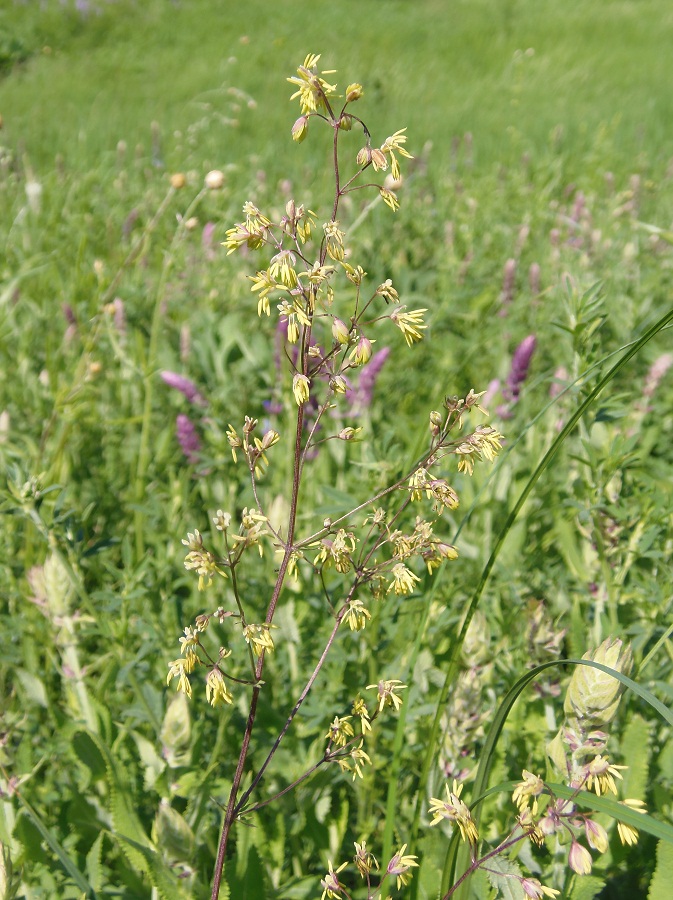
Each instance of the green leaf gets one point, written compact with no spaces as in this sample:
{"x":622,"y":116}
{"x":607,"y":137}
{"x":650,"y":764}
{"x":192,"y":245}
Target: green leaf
{"x":661,"y":886}
{"x":94,"y":866}
{"x":586,"y":887}
{"x":636,"y":748}
{"x":500,"y":870}
{"x":33,"y":686}
{"x":57,"y":849}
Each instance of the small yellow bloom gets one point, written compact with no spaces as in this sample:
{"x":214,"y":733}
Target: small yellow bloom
{"x":357,"y":615}
{"x":330,"y":882}
{"x":264,"y":283}
{"x":313,"y":90}
{"x":627,"y":833}
{"x":601,"y":774}
{"x":179,"y":669}
{"x":360,"y":710}
{"x":404,"y":581}
{"x":531,"y":786}
{"x":455,"y":810}
{"x":410,"y":323}
{"x":535,"y":891}
{"x":395,"y":143}
{"x":216,"y":688}
{"x":259,"y":638}
{"x":387,"y":695}
{"x":359,"y":757}
{"x":340,"y":731}
{"x":335,"y":240}
{"x":389,"y":198}
{"x":300,"y":388}
{"x":400,"y":865}
{"x":364,"y":860}
{"x":281,"y":269}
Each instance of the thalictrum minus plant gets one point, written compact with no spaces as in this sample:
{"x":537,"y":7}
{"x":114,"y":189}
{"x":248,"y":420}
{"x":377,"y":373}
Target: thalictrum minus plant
{"x":329,"y":315}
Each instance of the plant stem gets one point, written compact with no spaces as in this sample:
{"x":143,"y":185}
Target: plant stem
{"x":233,"y":794}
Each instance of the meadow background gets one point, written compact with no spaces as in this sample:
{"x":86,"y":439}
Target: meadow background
{"x":540,"y":202}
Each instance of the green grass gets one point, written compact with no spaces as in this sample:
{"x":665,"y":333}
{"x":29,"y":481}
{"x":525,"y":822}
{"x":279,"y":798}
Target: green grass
{"x":440,"y":68}
{"x":569,"y":160}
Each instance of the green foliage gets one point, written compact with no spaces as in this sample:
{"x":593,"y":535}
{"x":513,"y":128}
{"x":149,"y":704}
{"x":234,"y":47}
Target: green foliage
{"x":112,"y":785}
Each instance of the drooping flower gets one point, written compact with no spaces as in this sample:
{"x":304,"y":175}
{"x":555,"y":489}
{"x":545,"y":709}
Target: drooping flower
{"x":216,"y":688}
{"x":387,"y":695}
{"x":300,"y":388}
{"x":330,"y":882}
{"x":627,"y":833}
{"x":455,"y":810}
{"x":399,"y":866}
{"x":313,"y":90}
{"x":579,"y":859}
{"x":340,"y":731}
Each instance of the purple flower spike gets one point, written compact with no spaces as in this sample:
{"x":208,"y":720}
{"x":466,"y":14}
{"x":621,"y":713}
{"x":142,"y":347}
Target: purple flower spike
{"x":518,"y":374}
{"x":370,"y":373}
{"x":187,"y":437}
{"x":185,"y":386}
{"x":361,"y":397}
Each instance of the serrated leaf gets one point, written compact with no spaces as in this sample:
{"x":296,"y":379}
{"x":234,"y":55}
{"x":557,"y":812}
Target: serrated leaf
{"x":157,"y":871}
{"x":661,"y":886}
{"x":586,"y":887}
{"x":94,"y":865}
{"x":636,"y":748}
{"x":500,"y":871}
{"x":56,"y":847}
{"x":87,"y":751}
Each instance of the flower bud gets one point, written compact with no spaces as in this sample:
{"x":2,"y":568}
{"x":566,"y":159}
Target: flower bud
{"x":379,"y":160}
{"x":346,"y":123}
{"x":362,"y":352}
{"x":348,"y":434}
{"x":178,"y":180}
{"x":354,"y":92}
{"x":214,"y":180}
{"x":597,"y":836}
{"x":579,"y":859}
{"x":300,"y":129}
{"x":338,"y":384}
{"x":436,"y":421}
{"x":593,"y":695}
{"x":270,"y":438}
{"x":340,"y":331}
{"x":364,"y":156}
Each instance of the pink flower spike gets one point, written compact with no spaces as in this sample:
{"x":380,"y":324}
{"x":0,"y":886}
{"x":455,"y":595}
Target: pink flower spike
{"x":185,"y":386}
{"x":188,"y":438}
